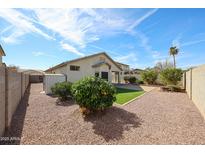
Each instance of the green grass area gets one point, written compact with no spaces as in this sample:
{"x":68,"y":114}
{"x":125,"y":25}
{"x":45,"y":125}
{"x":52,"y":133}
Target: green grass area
{"x":125,"y":95}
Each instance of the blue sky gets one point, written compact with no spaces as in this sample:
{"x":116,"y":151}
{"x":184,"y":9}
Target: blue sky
{"x":41,"y":38}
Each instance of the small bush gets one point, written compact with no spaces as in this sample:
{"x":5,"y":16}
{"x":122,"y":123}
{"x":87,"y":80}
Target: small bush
{"x":93,"y":93}
{"x":132,"y":79}
{"x":62,"y":90}
{"x":171,"y":76}
{"x":172,"y":88}
{"x":140,"y":82}
{"x":149,"y":76}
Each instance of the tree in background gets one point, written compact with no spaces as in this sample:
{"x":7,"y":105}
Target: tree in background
{"x":149,"y":76}
{"x":162,"y":65}
{"x":171,"y":76}
{"x":173,"y":51}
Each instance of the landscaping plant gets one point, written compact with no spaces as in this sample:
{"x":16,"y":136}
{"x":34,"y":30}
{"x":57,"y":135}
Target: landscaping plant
{"x":140,"y":81}
{"x":62,"y":90}
{"x":93,"y":93}
{"x":171,"y":76}
{"x":149,"y":76}
{"x":132,"y":79}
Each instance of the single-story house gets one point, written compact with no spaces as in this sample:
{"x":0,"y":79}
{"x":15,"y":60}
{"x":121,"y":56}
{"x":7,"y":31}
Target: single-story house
{"x":134,"y":73}
{"x":100,"y":64}
{"x":2,"y":53}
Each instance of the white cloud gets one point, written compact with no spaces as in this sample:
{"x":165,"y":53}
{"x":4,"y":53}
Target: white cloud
{"x":145,"y":43}
{"x":71,"y":49}
{"x":67,"y":23}
{"x":13,"y":38}
{"x":141,"y":36}
{"x":39,"y":53}
{"x":141,"y":19}
{"x":74,"y":27}
{"x":6,"y":29}
{"x":177,"y":41}
{"x":105,"y":50}
{"x":192,"y":42}
{"x":156,"y":54}
{"x":21,"y":23}
{"x":130,"y":59}
{"x":81,"y":26}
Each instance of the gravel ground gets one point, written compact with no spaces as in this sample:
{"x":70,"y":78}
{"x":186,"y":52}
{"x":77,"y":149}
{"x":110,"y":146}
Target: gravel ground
{"x":156,"y":118}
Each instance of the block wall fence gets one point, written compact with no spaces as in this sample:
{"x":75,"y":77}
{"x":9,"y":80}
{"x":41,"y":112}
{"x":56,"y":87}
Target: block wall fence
{"x":12,"y":88}
{"x":194,"y":83}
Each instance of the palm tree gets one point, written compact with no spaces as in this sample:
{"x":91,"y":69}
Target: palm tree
{"x":173,"y":51}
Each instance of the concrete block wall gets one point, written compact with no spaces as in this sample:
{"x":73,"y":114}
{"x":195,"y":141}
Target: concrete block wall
{"x":2,"y":100}
{"x":12,"y":88}
{"x":14,"y":92}
{"x":195,"y":87}
{"x":24,"y":83}
{"x":188,"y":83}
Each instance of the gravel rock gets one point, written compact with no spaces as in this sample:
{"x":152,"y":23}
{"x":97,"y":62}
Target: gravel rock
{"x":156,"y":118}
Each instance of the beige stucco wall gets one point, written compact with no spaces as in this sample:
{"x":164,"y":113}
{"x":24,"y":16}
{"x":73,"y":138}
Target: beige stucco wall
{"x":188,"y":83}
{"x":124,"y":67}
{"x":60,"y":70}
{"x":195,"y":87}
{"x":50,"y":79}
{"x":14,"y":92}
{"x":86,"y":68}
{"x":2,"y":100}
{"x":198,"y":88}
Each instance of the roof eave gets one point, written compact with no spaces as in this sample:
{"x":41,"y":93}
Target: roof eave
{"x":2,"y":51}
{"x":65,"y":63}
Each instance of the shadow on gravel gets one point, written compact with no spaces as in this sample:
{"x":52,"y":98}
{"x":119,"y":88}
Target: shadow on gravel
{"x":69,"y":102}
{"x":14,"y":132}
{"x":113,"y":122}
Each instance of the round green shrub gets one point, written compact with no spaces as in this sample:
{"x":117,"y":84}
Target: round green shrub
{"x":132,"y":79}
{"x":94,"y":93}
{"x":171,"y":76}
{"x":149,"y":77}
{"x":62,"y":90}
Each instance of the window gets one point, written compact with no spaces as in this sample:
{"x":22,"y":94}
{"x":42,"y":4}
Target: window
{"x":104,"y":75}
{"x":96,"y":74}
{"x":74,"y":68}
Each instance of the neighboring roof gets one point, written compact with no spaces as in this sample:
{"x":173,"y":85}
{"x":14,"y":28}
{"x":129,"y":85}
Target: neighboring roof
{"x":2,"y":53}
{"x":121,"y":63}
{"x":67,"y":62}
{"x":137,"y":69}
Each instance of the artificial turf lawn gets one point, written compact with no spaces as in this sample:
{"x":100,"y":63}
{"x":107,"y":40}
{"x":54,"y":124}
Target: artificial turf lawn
{"x":125,"y":95}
